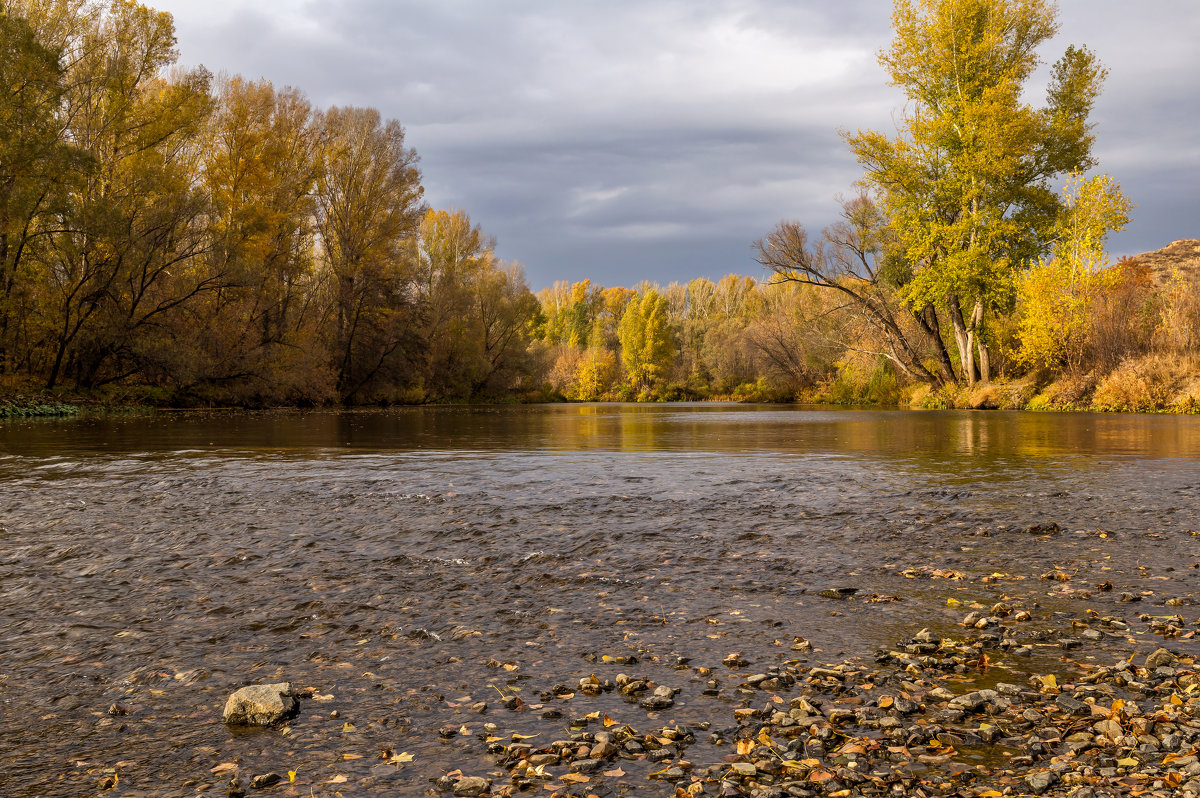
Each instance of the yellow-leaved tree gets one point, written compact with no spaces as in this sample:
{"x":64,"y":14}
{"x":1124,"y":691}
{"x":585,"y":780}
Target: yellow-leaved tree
{"x":967,"y":181}
{"x":1056,"y":294}
{"x":646,"y":344}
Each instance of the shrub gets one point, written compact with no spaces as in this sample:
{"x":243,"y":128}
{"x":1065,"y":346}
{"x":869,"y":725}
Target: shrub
{"x":1144,"y":385}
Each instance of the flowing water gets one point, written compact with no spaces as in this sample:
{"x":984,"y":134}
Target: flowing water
{"x":408,"y":564}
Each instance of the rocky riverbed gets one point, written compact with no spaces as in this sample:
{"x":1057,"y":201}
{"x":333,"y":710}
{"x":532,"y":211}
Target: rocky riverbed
{"x":722,"y":609}
{"x":932,"y":716}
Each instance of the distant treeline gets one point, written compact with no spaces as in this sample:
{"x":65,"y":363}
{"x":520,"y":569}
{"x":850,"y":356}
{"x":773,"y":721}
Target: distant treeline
{"x":171,"y":237}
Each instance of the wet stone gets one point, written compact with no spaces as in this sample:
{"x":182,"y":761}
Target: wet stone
{"x":586,"y":765}
{"x":472,"y":787}
{"x":1071,"y":705}
{"x":1040,"y":782}
{"x":265,"y":780}
{"x":656,"y":702}
{"x":260,"y":705}
{"x":1161,"y":658}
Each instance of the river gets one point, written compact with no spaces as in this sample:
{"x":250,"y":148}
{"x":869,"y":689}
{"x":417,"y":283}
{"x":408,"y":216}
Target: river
{"x":408,"y":564}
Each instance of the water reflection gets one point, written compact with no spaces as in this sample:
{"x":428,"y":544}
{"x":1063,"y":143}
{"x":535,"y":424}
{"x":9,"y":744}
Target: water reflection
{"x":721,"y":428}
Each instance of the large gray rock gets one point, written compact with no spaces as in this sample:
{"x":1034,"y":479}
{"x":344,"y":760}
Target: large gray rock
{"x":261,"y":705}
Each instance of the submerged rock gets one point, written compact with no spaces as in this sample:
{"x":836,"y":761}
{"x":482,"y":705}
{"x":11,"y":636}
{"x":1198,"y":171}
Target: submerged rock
{"x":472,"y":787}
{"x":261,"y":705}
{"x":265,"y":780}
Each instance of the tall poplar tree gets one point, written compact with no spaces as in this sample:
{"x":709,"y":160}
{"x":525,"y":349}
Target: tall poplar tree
{"x":968,"y":181}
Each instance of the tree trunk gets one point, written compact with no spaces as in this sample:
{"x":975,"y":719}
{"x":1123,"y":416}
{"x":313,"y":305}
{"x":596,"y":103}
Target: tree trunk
{"x":928,"y":319}
{"x":976,"y":330}
{"x":964,"y":338}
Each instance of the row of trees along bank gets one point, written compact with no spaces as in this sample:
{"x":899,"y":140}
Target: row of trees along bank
{"x":203,"y":240}
{"x":223,"y":240}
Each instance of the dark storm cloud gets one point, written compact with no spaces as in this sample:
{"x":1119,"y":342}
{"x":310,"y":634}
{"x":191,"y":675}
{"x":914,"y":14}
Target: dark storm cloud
{"x":626,"y":140}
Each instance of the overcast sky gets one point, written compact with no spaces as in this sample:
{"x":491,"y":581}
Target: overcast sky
{"x":625,"y":140}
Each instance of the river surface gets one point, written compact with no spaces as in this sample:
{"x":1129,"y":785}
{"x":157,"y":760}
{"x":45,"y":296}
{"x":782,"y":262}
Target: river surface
{"x":408,"y":564}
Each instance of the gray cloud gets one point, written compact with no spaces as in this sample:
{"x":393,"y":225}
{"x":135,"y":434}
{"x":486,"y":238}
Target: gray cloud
{"x":625,"y":140}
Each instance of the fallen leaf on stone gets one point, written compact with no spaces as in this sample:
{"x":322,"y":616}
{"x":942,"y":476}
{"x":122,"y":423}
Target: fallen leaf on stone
{"x":745,"y":747}
{"x":575,"y":778}
{"x":1169,"y":758}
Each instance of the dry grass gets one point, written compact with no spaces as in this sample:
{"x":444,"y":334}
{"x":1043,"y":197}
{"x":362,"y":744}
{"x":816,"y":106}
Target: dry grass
{"x":1150,"y":384}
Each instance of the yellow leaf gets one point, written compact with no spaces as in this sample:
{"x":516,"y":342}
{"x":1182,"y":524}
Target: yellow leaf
{"x":337,"y":780}
{"x":351,"y":756}
{"x":745,"y":747}
{"x":525,"y":736}
{"x":400,"y":759}
{"x":614,"y":774}
{"x":575,"y":778}
{"x":609,"y":722}
{"x":291,"y":777}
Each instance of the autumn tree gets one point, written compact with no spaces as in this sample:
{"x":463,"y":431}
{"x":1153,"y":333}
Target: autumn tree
{"x":368,"y":208}
{"x":1057,"y":294}
{"x":967,"y":182}
{"x":857,"y":261}
{"x":646,"y":344}
{"x":260,"y":167}
{"x":123,"y":250}
{"x":34,"y":160}
{"x":477,"y":310}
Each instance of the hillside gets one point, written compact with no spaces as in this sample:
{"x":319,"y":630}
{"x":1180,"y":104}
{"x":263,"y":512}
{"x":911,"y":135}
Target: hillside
{"x":1183,"y":255}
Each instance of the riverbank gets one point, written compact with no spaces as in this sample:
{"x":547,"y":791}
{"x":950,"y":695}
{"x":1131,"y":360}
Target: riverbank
{"x":1153,"y":384}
